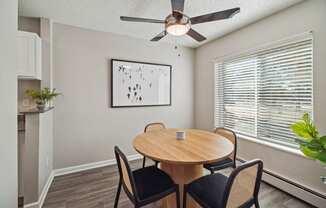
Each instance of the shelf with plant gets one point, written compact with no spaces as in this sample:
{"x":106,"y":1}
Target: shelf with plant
{"x":42,"y":98}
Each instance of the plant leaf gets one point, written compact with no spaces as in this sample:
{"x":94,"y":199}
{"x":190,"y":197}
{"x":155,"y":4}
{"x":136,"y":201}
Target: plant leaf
{"x":301,"y":142}
{"x":311,"y":145}
{"x":315,"y":145}
{"x":306,"y":118}
{"x":309,"y":153}
{"x":313,"y":130}
{"x":323,"y":141}
{"x":45,"y":95}
{"x":322,"y":156}
{"x":299,"y":129}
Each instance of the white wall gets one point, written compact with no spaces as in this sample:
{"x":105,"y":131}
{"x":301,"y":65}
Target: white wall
{"x":45,"y":149}
{"x":8,"y":103}
{"x":30,"y":158}
{"x":37,"y":140}
{"x":85,"y":127}
{"x":46,"y":128}
{"x":306,"y":16}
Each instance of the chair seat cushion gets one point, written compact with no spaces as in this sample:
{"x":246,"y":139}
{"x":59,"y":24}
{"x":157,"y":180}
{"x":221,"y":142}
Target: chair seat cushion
{"x":219,"y":165}
{"x":151,"y":181}
{"x":209,"y":189}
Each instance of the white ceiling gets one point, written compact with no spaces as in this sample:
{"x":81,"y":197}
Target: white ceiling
{"x":103,"y":15}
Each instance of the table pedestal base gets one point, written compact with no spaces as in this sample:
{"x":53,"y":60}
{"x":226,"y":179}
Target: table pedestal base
{"x":181,"y":174}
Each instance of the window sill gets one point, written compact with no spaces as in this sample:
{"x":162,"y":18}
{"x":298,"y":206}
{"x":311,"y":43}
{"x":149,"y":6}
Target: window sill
{"x":272,"y":145}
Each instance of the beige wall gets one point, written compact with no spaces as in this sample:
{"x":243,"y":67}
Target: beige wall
{"x":8,"y":104}
{"x":85,"y":127}
{"x":306,"y":16}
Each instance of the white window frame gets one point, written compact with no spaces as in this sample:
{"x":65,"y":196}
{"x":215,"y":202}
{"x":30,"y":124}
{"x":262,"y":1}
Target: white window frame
{"x":306,"y":35}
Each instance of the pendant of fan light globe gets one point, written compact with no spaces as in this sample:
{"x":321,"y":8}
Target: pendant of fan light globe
{"x":177,"y":26}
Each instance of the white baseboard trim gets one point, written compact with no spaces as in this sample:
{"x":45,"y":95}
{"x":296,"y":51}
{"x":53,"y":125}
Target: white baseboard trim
{"x":73,"y":169}
{"x":46,"y":189}
{"x":44,"y":192}
{"x":32,"y":205}
{"x":78,"y":168}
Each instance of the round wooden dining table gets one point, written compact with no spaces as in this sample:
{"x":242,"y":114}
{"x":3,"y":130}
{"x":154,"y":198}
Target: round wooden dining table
{"x":183,"y":159}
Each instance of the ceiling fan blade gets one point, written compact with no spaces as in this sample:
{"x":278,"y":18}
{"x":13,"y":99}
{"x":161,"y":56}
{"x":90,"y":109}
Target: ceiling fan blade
{"x":195,"y":35}
{"x":137,"y":19}
{"x":159,"y":36}
{"x":215,"y":16}
{"x":178,"y":5}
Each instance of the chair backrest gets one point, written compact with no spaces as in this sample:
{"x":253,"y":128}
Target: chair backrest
{"x":230,"y":135}
{"x":154,"y":127}
{"x":243,"y":184}
{"x":125,"y":173}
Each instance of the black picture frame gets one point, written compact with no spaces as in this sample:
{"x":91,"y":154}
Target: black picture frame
{"x":138,"y":62}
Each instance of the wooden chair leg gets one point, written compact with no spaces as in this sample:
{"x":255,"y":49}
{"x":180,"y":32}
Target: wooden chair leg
{"x":184,"y":196}
{"x":144,"y":161}
{"x":156,"y":164}
{"x":116,"y":201}
{"x":177,"y":192}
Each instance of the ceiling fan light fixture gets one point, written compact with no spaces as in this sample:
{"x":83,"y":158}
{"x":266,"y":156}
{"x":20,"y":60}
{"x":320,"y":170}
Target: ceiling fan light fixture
{"x":177,"y":29}
{"x":177,"y":26}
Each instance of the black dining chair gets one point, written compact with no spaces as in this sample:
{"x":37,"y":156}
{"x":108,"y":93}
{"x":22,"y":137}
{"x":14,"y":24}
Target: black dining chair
{"x":230,"y":161}
{"x":240,"y":189}
{"x":153,"y":127}
{"x":145,"y":185}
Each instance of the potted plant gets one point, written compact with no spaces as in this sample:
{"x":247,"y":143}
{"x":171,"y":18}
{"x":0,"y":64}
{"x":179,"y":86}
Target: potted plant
{"x":312,"y":144}
{"x":43,"y":97}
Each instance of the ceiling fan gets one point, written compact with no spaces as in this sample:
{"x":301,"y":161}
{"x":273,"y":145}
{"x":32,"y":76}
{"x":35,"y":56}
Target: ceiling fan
{"x":177,"y":23}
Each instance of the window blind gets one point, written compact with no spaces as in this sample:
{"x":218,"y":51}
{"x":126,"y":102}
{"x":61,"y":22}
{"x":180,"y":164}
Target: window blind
{"x":236,"y":87}
{"x":262,"y":94}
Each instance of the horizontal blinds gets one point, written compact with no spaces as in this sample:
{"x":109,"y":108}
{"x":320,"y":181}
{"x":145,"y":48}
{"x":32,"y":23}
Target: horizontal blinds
{"x":262,"y":94}
{"x":236,"y":88}
{"x":284,"y":90}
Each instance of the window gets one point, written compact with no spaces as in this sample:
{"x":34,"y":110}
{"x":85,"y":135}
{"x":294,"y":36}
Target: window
{"x":260,"y":95}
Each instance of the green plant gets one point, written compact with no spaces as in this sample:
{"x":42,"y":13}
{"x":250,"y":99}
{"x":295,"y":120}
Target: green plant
{"x":311,"y":143}
{"x":43,"y":96}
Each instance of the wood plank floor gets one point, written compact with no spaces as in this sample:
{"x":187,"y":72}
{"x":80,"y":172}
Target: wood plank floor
{"x":96,"y":188}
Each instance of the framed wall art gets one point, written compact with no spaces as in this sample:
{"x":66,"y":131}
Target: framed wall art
{"x":138,"y":84}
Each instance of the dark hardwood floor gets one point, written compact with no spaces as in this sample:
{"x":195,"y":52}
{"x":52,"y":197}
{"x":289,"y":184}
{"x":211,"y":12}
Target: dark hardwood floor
{"x":96,"y":188}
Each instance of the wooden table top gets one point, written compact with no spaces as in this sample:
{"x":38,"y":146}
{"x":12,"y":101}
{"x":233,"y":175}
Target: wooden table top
{"x":199,"y":147}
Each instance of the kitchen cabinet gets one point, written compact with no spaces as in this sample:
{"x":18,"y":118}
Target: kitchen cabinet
{"x":29,"y":56}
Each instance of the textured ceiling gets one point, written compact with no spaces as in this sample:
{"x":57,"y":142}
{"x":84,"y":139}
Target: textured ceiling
{"x":103,"y":15}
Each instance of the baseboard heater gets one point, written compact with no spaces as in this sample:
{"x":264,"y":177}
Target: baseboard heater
{"x":301,"y":192}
